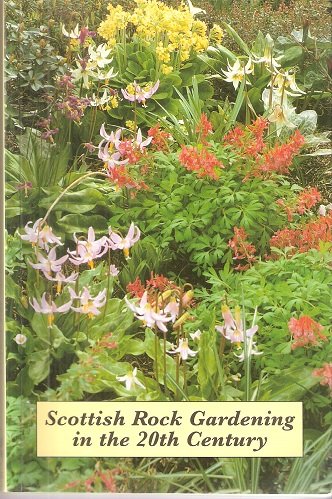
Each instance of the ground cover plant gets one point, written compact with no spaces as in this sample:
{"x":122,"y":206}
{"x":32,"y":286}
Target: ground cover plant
{"x":165,"y":239}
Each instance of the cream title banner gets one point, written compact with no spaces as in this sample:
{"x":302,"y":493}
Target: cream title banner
{"x":169,"y":429}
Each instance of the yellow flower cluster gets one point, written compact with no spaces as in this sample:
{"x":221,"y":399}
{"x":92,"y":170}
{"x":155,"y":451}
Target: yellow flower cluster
{"x":216,"y":34}
{"x":172,"y":33}
{"x":116,"y":21}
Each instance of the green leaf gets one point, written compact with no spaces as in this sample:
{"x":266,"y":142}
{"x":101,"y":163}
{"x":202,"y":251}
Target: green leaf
{"x":39,"y":366}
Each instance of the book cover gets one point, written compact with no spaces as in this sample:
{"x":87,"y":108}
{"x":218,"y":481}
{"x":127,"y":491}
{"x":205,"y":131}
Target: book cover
{"x":167,"y":241}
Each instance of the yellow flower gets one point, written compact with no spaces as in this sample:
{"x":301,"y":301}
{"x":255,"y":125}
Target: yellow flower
{"x":216,"y":34}
{"x":166,"y":70}
{"x":131,"y":125}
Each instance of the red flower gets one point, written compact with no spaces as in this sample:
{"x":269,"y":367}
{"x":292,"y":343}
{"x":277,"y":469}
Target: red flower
{"x":242,"y":249}
{"x":200,"y":160}
{"x":325,"y":372}
{"x":280,"y":157}
{"x":307,"y":199}
{"x":305,"y":331}
{"x":203,"y":128}
{"x":136,"y":288}
{"x":158,"y":282}
{"x":160,"y":138}
{"x":304,"y":238}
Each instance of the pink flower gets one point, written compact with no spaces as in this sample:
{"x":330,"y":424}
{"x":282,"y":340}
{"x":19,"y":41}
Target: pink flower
{"x":113,"y":270}
{"x":184,"y":350}
{"x":50,"y":263}
{"x":172,"y":308}
{"x":233,"y":328}
{"x":325,"y":373}
{"x":124,"y":243}
{"x":148,"y":314}
{"x":89,"y":305}
{"x":305,"y":331}
{"x":136,"y":93}
{"x":40,"y":236}
{"x":49,"y":308}
{"x":139,"y":142}
{"x":61,"y":278}
{"x":89,"y":250}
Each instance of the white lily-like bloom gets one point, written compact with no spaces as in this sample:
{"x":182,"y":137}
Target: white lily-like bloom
{"x":74,"y":34}
{"x":280,"y":111}
{"x":194,"y":11}
{"x":183,"y":349}
{"x":135,"y":92}
{"x":233,"y":329}
{"x":113,"y":270}
{"x":124,"y":243}
{"x":20,"y":339}
{"x":49,"y":308}
{"x":84,"y":70}
{"x":88,"y":304}
{"x":270,"y":62}
{"x":237,"y":72}
{"x":50,"y":263}
{"x":285,"y":83}
{"x":172,"y":309}
{"x":99,"y":101}
{"x":196,"y":335}
{"x":139,"y":142}
{"x":101,"y":75}
{"x":99,"y":55}
{"x":39,"y":235}
{"x":60,"y":278}
{"x":88,"y":250}
{"x":148,"y":313}
{"x":131,"y":380}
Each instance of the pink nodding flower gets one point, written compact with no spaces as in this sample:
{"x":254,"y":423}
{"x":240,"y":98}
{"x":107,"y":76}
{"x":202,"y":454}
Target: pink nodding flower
{"x":183,"y":349}
{"x":88,"y":250}
{"x":140,"y":95}
{"x":233,"y":329}
{"x":50,"y":263}
{"x":139,"y":142}
{"x":49,"y":308}
{"x":124,"y":243}
{"x":40,"y":235}
{"x":88,"y":304}
{"x":148,"y":314}
{"x":60,"y":278}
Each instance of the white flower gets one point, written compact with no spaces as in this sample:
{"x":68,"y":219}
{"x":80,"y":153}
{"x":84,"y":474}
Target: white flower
{"x":74,"y":34}
{"x":267,"y":58}
{"x":50,"y":263}
{"x":40,"y":235}
{"x":280,"y":111}
{"x":99,"y":101}
{"x":172,"y":308}
{"x":113,"y":270}
{"x":89,"y":305}
{"x":20,"y":339}
{"x":196,"y":335}
{"x":148,"y":313}
{"x":285,"y":80}
{"x":118,"y":242}
{"x":194,"y":11}
{"x":237,"y":72}
{"x":184,"y":350}
{"x":131,"y":380}
{"x":84,"y":71}
{"x":99,"y":55}
{"x":89,"y":250}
